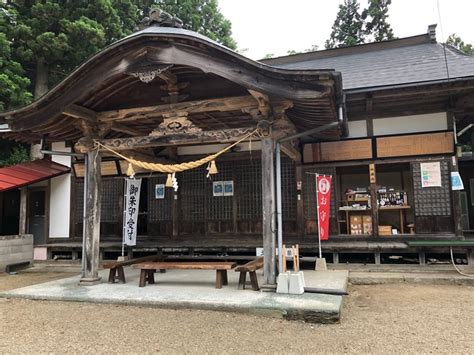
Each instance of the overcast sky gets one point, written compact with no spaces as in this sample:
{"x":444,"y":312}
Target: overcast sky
{"x":276,"y":26}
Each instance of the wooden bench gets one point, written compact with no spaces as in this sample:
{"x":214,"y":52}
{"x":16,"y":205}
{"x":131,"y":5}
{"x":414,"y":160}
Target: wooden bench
{"x":148,"y":269}
{"x":250,"y":267}
{"x":116,"y":267}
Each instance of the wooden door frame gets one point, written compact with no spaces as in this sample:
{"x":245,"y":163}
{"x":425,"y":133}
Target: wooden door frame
{"x":47,"y":192}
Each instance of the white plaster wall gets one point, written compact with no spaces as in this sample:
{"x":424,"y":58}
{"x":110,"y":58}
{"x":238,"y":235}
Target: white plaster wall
{"x":411,"y":124}
{"x":357,"y":129}
{"x":60,"y":196}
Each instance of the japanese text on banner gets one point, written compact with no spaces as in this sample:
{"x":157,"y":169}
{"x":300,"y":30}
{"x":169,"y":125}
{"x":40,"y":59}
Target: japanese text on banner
{"x":323,"y":185}
{"x":132,"y":202}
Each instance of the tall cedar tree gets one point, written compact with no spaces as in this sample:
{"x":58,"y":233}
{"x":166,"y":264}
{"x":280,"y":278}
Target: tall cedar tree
{"x":52,"y":37}
{"x":13,"y":88}
{"x":375,"y":16}
{"x":13,"y":80}
{"x":347,"y":29}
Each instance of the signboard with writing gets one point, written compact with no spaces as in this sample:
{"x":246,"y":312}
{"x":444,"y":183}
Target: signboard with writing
{"x":130,"y":214}
{"x":323,"y":186}
{"x":430,"y":174}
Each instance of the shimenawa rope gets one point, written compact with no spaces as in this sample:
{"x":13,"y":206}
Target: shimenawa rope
{"x":173,"y":168}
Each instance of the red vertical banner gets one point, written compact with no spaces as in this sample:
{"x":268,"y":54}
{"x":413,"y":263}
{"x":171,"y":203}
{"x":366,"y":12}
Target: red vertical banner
{"x":323,"y":186}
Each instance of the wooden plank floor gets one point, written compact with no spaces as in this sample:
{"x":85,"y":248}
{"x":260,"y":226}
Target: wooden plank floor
{"x":250,"y":242}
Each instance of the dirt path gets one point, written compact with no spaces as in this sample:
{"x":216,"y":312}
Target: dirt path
{"x":377,"y":319}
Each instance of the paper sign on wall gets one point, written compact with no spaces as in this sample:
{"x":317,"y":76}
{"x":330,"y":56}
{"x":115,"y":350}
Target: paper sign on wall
{"x":456,"y":181}
{"x":430,"y":174}
{"x":160,"y":191}
{"x":130,"y":215}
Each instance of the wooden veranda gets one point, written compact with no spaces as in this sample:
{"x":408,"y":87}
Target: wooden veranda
{"x":163,"y":88}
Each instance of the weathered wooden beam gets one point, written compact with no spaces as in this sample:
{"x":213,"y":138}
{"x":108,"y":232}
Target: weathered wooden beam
{"x":299,"y":201}
{"x":92,"y":207}
{"x":198,"y":106}
{"x":268,"y":213}
{"x":81,"y":112}
{"x":149,"y":158}
{"x":292,"y":152}
{"x":263,"y":102}
{"x":221,"y":136}
{"x":373,"y":200}
{"x":119,"y":127}
{"x":168,"y":77}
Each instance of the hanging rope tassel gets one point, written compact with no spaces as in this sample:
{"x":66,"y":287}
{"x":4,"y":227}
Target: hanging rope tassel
{"x":169,"y":181}
{"x":130,"y":172}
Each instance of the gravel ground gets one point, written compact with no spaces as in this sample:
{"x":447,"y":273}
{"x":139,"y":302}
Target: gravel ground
{"x":401,"y":318}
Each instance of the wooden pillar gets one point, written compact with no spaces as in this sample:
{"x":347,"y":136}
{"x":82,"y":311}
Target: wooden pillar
{"x":268,"y":204}
{"x":299,"y":202}
{"x":455,"y":195}
{"x":374,"y":208}
{"x":175,"y":214}
{"x":456,"y":199}
{"x":175,"y":204}
{"x":23,"y":210}
{"x":91,"y":238}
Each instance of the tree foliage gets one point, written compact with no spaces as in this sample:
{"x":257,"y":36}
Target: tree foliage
{"x":375,"y":17}
{"x":353,"y":27}
{"x":13,"y":81}
{"x":455,"y":41}
{"x":50,"y":38}
{"x":12,"y":153}
{"x":347,"y":29}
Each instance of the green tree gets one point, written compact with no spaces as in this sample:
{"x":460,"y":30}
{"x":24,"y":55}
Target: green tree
{"x":13,"y":81}
{"x":455,"y":41}
{"x":51,"y":37}
{"x":202,"y":16}
{"x":347,"y":29}
{"x":12,"y":153}
{"x":375,"y":17}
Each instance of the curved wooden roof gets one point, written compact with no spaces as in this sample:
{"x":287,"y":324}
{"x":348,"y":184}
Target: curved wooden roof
{"x":202,"y":70}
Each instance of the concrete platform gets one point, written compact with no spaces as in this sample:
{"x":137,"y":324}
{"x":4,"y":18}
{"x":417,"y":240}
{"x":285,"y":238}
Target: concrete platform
{"x":195,"y":289}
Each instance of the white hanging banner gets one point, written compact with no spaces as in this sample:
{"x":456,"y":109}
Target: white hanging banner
{"x":130,"y":213}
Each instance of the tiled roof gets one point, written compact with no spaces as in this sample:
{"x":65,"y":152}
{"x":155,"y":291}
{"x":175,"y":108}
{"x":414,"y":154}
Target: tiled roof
{"x":393,"y":65}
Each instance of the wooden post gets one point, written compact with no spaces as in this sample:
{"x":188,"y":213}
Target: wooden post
{"x":23,"y":210}
{"x":373,"y":200}
{"x":175,"y":207}
{"x":455,"y":195}
{"x":456,"y":199}
{"x":91,"y":238}
{"x":175,"y":214}
{"x":268,"y":204}
{"x":299,"y":202}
